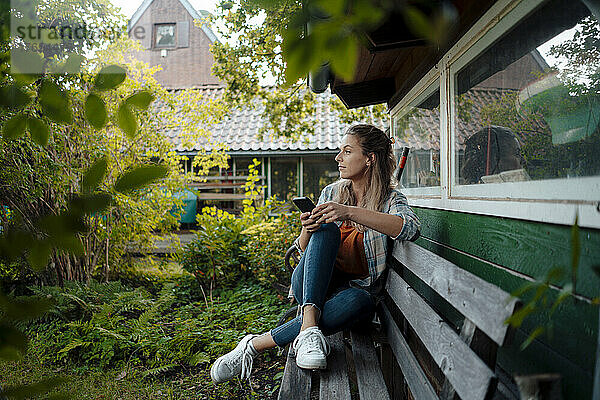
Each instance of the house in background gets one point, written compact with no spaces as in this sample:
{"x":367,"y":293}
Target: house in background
{"x":171,"y":39}
{"x":288,"y":169}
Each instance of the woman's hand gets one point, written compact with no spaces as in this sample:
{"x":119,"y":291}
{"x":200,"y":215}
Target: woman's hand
{"x":308,"y":222}
{"x":330,"y":212}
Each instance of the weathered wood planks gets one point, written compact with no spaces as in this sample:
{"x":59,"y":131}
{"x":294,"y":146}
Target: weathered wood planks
{"x":371,"y":385}
{"x":334,"y":380}
{"x":295,"y":383}
{"x":485,"y":304}
{"x":469,"y":376}
{"x":416,"y":379}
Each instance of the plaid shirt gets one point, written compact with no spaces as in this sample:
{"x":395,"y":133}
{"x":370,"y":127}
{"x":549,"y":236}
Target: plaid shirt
{"x":376,"y":243}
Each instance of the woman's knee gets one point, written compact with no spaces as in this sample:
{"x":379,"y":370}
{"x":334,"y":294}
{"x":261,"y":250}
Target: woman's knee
{"x":349,"y":307}
{"x":329,"y":232}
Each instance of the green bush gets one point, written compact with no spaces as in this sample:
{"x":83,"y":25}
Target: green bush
{"x":215,"y":257}
{"x":228,"y":248}
{"x":266,"y":245}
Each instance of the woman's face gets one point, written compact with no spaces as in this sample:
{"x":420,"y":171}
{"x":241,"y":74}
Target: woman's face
{"x":352,"y":163}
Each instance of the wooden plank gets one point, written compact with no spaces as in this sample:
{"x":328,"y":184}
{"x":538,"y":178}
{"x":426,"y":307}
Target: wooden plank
{"x":388,"y":369}
{"x":364,"y":64}
{"x":467,"y":334}
{"x":381,"y":64}
{"x":223,"y":196}
{"x":520,"y":245}
{"x":575,"y":329}
{"x":469,"y":376}
{"x":295,"y":384}
{"x":371,"y":385}
{"x":334,"y":379}
{"x":416,"y":379}
{"x":217,"y":185}
{"x":485,"y":304}
{"x":227,"y":177}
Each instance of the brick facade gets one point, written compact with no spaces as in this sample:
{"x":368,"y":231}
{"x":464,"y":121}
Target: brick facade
{"x":188,"y":63}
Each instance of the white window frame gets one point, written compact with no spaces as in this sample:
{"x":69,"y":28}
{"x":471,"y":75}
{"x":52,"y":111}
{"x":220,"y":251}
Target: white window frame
{"x":552,"y":201}
{"x":428,"y":85}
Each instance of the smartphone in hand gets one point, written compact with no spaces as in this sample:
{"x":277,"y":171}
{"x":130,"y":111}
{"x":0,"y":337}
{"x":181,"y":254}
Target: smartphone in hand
{"x":304,"y":204}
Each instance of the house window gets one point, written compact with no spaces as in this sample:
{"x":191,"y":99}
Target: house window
{"x":527,"y":107}
{"x":284,"y":178}
{"x":164,"y":35}
{"x":318,"y":173}
{"x":417,"y":126}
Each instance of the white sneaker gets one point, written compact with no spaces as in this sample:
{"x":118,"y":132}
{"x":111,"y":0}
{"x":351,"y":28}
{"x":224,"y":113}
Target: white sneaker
{"x":238,"y":362}
{"x":311,"y":349}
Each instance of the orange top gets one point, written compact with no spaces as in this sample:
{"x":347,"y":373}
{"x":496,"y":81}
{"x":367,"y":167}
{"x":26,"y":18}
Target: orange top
{"x":351,"y":257}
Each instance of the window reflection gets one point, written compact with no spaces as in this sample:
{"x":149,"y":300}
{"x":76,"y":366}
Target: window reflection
{"x":318,"y":173}
{"x":284,"y":178}
{"x":528,"y":107}
{"x":418,"y":128}
{"x":165,"y":35}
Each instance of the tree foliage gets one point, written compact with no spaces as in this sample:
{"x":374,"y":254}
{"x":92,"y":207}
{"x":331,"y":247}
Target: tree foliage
{"x":269,"y":45}
{"x":80,"y":161}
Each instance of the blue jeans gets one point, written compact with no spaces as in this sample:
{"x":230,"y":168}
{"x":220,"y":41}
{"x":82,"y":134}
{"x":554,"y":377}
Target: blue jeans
{"x":315,"y":281}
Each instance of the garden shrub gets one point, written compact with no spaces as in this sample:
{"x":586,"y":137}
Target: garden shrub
{"x":266,"y":245}
{"x":228,"y":248}
{"x":215,"y":257}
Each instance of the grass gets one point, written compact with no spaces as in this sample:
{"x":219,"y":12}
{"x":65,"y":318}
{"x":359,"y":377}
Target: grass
{"x":167,"y":358}
{"x":114,"y":384}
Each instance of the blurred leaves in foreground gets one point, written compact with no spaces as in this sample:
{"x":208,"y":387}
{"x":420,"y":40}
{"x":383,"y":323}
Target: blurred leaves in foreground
{"x":62,"y":231}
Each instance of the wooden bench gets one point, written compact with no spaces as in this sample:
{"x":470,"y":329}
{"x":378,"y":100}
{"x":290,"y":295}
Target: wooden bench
{"x":440,"y":347}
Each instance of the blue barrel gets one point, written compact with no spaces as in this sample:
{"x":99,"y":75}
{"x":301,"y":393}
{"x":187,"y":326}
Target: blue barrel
{"x":190,"y":206}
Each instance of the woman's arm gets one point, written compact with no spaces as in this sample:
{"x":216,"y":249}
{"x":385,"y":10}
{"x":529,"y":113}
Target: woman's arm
{"x":388,"y":224}
{"x":308,"y":227}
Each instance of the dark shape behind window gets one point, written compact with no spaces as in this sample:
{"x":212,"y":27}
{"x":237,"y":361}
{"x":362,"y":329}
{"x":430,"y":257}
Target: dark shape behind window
{"x":164,"y":35}
{"x":528,"y":106}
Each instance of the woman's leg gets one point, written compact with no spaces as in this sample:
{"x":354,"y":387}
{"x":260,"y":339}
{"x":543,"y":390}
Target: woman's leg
{"x":311,"y":277}
{"x":310,"y":282}
{"x":345,"y":309}
{"x":314,"y":271}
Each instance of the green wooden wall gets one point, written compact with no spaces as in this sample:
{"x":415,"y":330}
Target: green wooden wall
{"x":501,"y":250}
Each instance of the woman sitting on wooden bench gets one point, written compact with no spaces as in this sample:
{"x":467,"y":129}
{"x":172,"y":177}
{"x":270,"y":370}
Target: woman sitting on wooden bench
{"x":344,"y":245}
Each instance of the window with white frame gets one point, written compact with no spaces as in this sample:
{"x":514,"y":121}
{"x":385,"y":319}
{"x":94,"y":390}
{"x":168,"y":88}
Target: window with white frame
{"x":526,"y":106}
{"x":417,"y":126}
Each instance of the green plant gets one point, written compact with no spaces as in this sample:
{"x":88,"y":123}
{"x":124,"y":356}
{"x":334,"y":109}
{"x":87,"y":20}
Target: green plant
{"x":109,"y":325}
{"x":228,"y":247}
{"x":215,"y":257}
{"x":266,"y":246}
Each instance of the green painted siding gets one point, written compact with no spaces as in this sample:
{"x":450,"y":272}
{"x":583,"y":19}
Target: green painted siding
{"x":493,"y":248}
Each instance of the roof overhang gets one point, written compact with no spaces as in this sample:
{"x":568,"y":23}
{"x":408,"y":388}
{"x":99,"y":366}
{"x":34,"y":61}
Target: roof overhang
{"x":392,"y":58}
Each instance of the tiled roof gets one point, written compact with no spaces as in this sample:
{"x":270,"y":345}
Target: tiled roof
{"x":240,"y":129}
